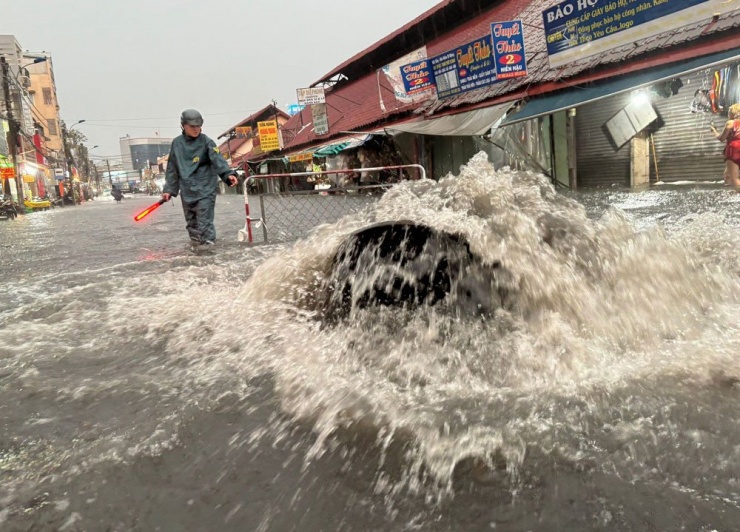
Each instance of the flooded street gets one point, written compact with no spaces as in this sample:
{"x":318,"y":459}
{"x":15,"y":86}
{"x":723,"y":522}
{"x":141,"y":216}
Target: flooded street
{"x":145,"y":385}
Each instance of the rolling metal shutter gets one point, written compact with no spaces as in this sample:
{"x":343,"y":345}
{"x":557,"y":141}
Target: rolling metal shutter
{"x":685,"y":146}
{"x":598,"y":162}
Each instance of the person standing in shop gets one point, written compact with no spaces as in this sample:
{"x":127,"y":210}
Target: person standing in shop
{"x":731,"y":136}
{"x":192,"y":170}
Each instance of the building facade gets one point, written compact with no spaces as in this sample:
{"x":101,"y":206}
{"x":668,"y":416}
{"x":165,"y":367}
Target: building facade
{"x":32,"y":152}
{"x":564,"y":110}
{"x":43,"y":95}
{"x":142,"y":153}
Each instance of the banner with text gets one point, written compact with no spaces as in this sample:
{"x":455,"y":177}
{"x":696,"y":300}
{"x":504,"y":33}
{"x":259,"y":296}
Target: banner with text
{"x":465,"y":68}
{"x":417,"y":77}
{"x":300,"y":157}
{"x":311,"y":96}
{"x":393,"y":73}
{"x":269,"y":139}
{"x":320,"y":119}
{"x":243,"y":132}
{"x":575,"y":29}
{"x":508,"y":49}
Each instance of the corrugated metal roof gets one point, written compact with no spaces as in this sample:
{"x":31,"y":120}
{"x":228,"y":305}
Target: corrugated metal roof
{"x":350,"y":108}
{"x":538,"y":64}
{"x":355,"y":105}
{"x":268,"y":110}
{"x":442,"y":19}
{"x":387,"y":39}
{"x":231,"y":145}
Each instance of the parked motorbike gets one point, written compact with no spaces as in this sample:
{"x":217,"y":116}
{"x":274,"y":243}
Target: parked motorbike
{"x":8,"y":209}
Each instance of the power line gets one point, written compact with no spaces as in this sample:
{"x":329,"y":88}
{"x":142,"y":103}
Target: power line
{"x":149,"y":126}
{"x":25,"y":97}
{"x":164,"y":117}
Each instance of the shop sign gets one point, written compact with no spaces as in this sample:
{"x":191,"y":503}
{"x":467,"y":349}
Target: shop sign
{"x":294,"y":108}
{"x":300,"y":157}
{"x":507,"y":39}
{"x":7,"y":173}
{"x":269,"y":139}
{"x":393,"y":72}
{"x":465,"y":68}
{"x":311,"y":96}
{"x":243,"y":132}
{"x":417,"y":77}
{"x":575,"y":29}
{"x":28,"y":178}
{"x":320,"y":119}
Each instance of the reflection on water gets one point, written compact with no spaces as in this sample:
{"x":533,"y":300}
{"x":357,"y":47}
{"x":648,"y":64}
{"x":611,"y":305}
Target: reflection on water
{"x":606,"y":396}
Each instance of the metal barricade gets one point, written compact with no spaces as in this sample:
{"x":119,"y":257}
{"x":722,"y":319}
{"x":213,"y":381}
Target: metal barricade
{"x":287,"y":215}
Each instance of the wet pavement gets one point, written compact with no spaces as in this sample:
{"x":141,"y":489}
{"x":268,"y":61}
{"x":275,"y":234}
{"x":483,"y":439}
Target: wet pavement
{"x":148,"y":385}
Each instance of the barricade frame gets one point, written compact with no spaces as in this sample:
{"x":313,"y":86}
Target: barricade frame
{"x":247,"y":234}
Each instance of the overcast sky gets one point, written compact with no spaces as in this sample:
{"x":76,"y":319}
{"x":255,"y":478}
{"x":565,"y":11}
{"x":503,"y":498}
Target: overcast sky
{"x":130,"y":67}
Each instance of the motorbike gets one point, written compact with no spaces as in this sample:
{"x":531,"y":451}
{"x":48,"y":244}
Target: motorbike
{"x":8,"y":209}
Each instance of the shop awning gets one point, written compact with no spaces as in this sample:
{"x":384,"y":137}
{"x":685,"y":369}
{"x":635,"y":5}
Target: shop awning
{"x":579,"y":96}
{"x":337,"y":146}
{"x":468,"y":124}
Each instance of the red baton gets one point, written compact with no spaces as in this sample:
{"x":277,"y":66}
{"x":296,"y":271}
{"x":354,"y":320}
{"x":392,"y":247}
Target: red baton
{"x":146,"y":212}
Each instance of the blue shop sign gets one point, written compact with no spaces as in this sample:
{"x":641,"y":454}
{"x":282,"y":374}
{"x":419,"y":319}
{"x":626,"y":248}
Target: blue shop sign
{"x":508,"y":49}
{"x":417,"y":76}
{"x":465,"y":68}
{"x":577,"y":23}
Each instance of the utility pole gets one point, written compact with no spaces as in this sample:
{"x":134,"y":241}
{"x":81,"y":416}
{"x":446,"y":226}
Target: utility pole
{"x":13,"y":134}
{"x":110,"y":177}
{"x":70,"y":163}
{"x":97,"y":178}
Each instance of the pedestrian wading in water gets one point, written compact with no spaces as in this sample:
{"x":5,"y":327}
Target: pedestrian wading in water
{"x":192,"y":170}
{"x":731,"y":135}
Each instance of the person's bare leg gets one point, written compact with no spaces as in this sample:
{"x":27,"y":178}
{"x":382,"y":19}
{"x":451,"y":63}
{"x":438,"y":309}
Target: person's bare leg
{"x":732,"y":174}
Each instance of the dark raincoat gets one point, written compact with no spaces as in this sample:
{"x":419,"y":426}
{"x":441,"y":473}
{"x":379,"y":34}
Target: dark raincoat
{"x":192,"y":170}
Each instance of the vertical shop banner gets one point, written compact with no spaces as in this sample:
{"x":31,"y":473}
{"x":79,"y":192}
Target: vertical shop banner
{"x":394,"y":74}
{"x":417,"y":77}
{"x":444,"y":70}
{"x":575,"y":29}
{"x":508,"y":49}
{"x":320,"y":119}
{"x":465,"y":68}
{"x":269,"y":139}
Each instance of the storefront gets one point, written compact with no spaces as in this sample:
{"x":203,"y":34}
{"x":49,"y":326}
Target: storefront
{"x":640,"y":128}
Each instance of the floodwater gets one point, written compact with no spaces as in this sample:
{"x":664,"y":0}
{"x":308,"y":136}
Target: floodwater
{"x":145,"y":385}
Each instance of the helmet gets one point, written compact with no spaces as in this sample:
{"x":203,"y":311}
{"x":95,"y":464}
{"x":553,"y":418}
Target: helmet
{"x":191,"y":117}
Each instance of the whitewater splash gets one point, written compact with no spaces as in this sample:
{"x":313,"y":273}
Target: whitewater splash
{"x":610,"y":375}
{"x":603,"y":313}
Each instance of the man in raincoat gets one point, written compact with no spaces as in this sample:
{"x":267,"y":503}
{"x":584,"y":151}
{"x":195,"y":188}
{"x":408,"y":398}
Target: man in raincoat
{"x":192,"y":170}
